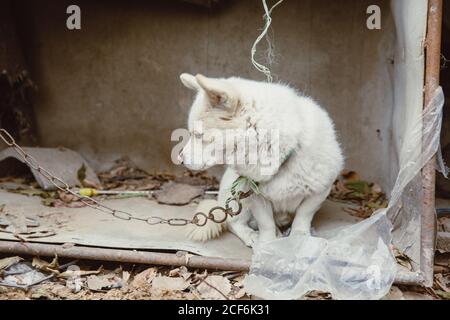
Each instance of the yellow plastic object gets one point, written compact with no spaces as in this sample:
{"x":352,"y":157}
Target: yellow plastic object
{"x":88,"y":192}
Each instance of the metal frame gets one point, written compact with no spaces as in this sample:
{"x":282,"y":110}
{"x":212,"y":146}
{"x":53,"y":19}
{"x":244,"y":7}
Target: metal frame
{"x":432,"y":71}
{"x":428,"y":227}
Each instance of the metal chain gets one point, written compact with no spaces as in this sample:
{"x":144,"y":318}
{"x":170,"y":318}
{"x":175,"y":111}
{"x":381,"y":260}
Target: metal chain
{"x":216,"y":214}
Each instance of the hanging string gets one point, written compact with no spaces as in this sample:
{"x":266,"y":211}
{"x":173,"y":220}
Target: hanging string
{"x":268,"y":21}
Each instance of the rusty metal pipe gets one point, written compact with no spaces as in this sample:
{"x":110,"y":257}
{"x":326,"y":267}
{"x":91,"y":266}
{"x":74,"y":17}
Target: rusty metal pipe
{"x":432,"y":70}
{"x":120,"y":255}
{"x":151,"y":258}
{"x":409,"y":278}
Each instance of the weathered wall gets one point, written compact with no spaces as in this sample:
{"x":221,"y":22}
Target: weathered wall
{"x":112,"y":88}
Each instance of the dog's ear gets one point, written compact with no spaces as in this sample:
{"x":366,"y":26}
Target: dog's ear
{"x":189,"y":81}
{"x":219,"y":92}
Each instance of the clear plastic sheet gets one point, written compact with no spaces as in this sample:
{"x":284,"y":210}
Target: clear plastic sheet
{"x":356,"y":263}
{"x":442,"y":166}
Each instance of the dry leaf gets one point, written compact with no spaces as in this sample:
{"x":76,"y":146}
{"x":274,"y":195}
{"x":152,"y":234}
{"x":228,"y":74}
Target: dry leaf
{"x":143,"y":279}
{"x":162,"y":284}
{"x":99,"y":282}
{"x":67,"y":197}
{"x":40,"y":293}
{"x":443,"y":282}
{"x":125,"y":277}
{"x":403,"y":259}
{"x":91,"y":184}
{"x":180,"y":272}
{"x":177,"y":194}
{"x":214,"y":287}
{"x":241,"y":293}
{"x":317,"y":295}
{"x":72,"y":273}
{"x":239,"y":281}
{"x":43,"y":265}
{"x":8,"y":262}
{"x":61,"y":291}
{"x":359,"y":187}
{"x":443,"y":294}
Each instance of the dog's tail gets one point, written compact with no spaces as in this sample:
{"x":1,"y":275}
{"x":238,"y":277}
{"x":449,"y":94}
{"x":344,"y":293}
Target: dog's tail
{"x":209,"y":231}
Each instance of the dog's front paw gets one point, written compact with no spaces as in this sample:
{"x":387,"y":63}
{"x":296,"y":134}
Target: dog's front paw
{"x":300,"y":232}
{"x":250,"y":238}
{"x":269,"y":235}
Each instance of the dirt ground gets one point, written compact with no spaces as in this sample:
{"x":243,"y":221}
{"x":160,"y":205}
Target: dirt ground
{"x":114,"y":282}
{"x":55,"y":279}
{"x":136,"y":282}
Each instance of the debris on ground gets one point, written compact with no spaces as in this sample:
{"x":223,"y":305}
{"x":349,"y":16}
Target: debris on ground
{"x":214,"y":287}
{"x":443,"y":236}
{"x":22,"y":276}
{"x":61,"y":162}
{"x":49,"y":279}
{"x":42,"y":279}
{"x":123,"y":176}
{"x":369,"y":197}
{"x":177,"y":194}
{"x":39,"y":278}
{"x":8,"y":262}
{"x":25,"y":228}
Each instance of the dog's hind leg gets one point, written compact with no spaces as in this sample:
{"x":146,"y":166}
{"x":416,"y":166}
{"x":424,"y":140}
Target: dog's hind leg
{"x":305,"y":213}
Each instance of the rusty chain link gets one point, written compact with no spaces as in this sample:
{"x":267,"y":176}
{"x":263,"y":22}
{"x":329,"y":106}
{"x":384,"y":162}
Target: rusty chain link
{"x":200,"y":219}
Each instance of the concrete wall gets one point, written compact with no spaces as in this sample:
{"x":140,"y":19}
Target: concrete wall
{"x":112,"y":88}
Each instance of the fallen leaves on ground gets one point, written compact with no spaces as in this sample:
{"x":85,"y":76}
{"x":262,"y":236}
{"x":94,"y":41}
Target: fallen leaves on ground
{"x":84,"y":282}
{"x":42,"y":265}
{"x":25,"y":228}
{"x":351,"y":188}
{"x":443,"y":294}
{"x":104,"y":282}
{"x":178,"y":194}
{"x":317,"y":295}
{"x":214,"y":287}
{"x":8,"y":262}
{"x":72,"y":273}
{"x":123,"y":176}
{"x":444,"y":224}
{"x":442,"y":283}
{"x":164,"y":284}
{"x":71,"y":281}
{"x":84,"y":181}
{"x":402,"y":259}
{"x":144,"y":278}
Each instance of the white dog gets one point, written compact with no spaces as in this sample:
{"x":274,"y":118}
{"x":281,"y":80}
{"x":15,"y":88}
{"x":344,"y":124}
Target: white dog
{"x":308,"y":153}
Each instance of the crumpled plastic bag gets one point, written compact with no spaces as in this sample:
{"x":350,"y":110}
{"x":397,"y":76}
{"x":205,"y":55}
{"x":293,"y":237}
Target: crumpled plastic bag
{"x":288,"y":268}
